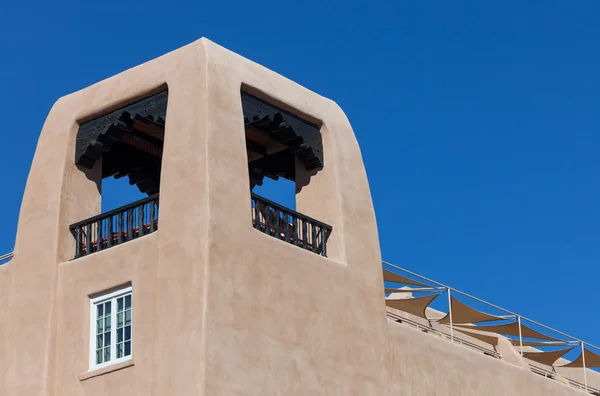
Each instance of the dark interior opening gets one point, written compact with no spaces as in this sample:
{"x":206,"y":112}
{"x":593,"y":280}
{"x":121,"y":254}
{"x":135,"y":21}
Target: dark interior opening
{"x":128,"y":141}
{"x":278,"y":142}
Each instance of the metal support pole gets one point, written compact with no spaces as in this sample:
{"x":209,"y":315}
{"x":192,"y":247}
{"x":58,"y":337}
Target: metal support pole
{"x":584,"y":369}
{"x":520,"y":336}
{"x":450,"y":314}
{"x":7,"y":256}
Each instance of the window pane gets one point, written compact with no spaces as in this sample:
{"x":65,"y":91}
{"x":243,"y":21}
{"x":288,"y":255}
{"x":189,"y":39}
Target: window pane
{"x":117,"y":309}
{"x":128,"y":332}
{"x":127,"y":348}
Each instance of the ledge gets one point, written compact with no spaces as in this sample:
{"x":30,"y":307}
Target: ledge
{"x":106,"y":370}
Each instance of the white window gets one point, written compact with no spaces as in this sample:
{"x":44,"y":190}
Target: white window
{"x":110,"y":325}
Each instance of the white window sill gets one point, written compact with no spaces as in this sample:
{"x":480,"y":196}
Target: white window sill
{"x":106,"y":370}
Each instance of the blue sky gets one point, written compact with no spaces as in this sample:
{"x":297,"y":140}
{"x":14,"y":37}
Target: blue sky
{"x":478,"y":122}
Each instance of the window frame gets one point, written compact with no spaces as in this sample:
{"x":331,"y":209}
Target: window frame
{"x":100,"y":299}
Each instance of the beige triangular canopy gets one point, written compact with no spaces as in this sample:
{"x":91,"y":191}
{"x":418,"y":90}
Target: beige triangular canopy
{"x":546,"y":357}
{"x":415,"y":306}
{"x":462,"y":313}
{"x":536,"y":343}
{"x":592,"y":360}
{"x":488,"y":339}
{"x":513,"y":330}
{"x":389,"y":276}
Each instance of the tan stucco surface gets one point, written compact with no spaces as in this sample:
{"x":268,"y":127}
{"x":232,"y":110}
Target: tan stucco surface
{"x":427,"y":365}
{"x":219,"y":308}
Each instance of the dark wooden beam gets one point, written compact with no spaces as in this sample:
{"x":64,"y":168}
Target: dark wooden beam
{"x":256,"y":147}
{"x":153,"y":109}
{"x":298,"y":134}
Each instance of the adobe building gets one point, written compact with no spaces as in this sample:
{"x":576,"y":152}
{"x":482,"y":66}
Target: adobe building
{"x":203,"y":287}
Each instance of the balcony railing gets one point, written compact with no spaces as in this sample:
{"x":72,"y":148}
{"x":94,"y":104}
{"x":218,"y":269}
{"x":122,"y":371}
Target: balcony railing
{"x":289,"y":226}
{"x":116,"y":226}
{"x":141,"y":218}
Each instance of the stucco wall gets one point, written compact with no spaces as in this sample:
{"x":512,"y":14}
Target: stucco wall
{"x":422,"y":364}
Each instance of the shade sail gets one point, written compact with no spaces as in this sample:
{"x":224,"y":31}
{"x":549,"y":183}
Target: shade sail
{"x":592,"y":360}
{"x":462,"y":313}
{"x":537,"y":343}
{"x":487,"y":338}
{"x":546,"y":357}
{"x":389,"y":276}
{"x":511,"y":329}
{"x":407,"y":290}
{"x":415,"y":306}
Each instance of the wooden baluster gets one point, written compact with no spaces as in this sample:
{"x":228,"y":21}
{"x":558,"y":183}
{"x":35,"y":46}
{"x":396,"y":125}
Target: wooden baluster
{"x":98,"y":235}
{"x":79,"y":242}
{"x":313,"y":237}
{"x":277,"y":230}
{"x":129,"y":224}
{"x":304,"y":236}
{"x":120,"y":228}
{"x":156,"y":213}
{"x":88,"y":238}
{"x":268,"y":219}
{"x":141,"y":220}
{"x":256,"y":214}
{"x":294,"y":230}
{"x":109,"y":236}
{"x":152,"y":216}
{"x":286,"y":226}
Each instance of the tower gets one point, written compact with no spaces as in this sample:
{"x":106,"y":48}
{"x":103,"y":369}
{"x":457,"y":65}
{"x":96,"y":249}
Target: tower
{"x":230,"y":294}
